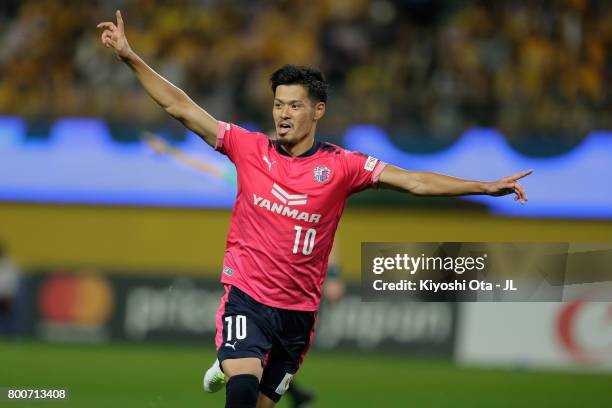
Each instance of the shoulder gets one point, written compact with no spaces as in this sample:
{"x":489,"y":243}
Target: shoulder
{"x":338,"y":153}
{"x":242,"y":137}
{"x":242,"y":132}
{"x":330,"y":148}
{"x":342,"y":157}
{"x":351,"y":156}
{"x":235,"y":141}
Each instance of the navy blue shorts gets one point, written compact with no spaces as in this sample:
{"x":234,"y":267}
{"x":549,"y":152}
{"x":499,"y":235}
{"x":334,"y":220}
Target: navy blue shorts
{"x":280,"y":338}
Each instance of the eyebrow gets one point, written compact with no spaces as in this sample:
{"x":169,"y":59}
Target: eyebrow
{"x":292,"y":101}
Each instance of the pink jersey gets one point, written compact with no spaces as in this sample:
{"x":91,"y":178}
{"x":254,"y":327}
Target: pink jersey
{"x":286,"y":213}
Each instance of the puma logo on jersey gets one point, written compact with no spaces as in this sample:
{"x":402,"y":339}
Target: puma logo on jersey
{"x":233,"y":346}
{"x":285,"y":210}
{"x":265,"y":158}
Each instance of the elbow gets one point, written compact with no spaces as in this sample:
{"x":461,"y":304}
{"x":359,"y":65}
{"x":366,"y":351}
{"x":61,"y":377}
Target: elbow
{"x":177,"y":111}
{"x":178,"y":105}
{"x":418,"y":191}
{"x":415,"y":187}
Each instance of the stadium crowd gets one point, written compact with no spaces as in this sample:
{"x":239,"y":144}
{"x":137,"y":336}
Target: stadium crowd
{"x":433,"y":67}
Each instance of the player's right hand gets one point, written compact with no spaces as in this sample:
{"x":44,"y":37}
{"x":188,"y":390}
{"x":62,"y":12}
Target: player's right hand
{"x":114,"y":36}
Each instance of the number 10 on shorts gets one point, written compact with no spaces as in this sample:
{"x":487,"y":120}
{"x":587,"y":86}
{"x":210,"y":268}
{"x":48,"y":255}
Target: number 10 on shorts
{"x":240,"y":327}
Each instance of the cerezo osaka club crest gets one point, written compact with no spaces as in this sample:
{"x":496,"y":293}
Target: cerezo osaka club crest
{"x":321,"y":174}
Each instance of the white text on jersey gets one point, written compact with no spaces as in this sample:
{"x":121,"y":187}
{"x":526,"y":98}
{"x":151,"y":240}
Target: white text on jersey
{"x":285,"y":210}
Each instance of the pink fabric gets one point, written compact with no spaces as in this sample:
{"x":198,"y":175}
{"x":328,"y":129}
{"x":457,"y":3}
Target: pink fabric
{"x":376,"y":173}
{"x":285,"y":216}
{"x":364,"y":170}
{"x":219,"y":318}
{"x":221,"y":129}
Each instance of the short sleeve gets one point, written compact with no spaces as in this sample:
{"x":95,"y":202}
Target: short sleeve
{"x":363,"y":171}
{"x":234,"y":141}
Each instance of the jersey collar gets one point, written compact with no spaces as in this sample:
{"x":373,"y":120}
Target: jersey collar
{"x":315,"y":147}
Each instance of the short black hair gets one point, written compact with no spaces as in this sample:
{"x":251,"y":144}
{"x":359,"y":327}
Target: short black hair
{"x":310,"y":77}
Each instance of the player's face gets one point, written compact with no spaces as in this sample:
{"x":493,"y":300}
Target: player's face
{"x":295,"y":115}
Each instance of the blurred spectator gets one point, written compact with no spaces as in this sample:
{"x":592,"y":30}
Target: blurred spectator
{"x":9,"y":286}
{"x":432,"y":67}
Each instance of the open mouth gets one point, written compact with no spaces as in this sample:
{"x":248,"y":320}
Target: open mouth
{"x":283,"y":129}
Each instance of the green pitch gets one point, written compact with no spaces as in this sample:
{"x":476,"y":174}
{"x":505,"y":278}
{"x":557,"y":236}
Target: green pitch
{"x":152,"y":376}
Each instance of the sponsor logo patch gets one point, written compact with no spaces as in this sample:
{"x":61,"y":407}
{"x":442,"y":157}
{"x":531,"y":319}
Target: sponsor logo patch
{"x":287,"y":208}
{"x":228,"y":271}
{"x":370,"y":163}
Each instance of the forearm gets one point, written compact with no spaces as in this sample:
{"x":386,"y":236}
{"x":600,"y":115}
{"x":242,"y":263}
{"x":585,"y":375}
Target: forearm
{"x":434,"y":184}
{"x":168,"y":96}
{"x":424,"y":183}
{"x":172,"y":99}
{"x":430,"y":184}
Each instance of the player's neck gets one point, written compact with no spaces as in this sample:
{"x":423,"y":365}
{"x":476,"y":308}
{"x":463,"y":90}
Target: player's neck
{"x":301,"y":147}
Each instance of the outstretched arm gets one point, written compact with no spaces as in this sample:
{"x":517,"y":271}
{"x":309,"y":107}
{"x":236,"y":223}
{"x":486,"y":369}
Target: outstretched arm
{"x":433,"y":184}
{"x":172,"y":99}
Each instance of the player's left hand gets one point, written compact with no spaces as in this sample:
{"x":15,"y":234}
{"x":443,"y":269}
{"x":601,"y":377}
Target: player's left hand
{"x":509,"y":185}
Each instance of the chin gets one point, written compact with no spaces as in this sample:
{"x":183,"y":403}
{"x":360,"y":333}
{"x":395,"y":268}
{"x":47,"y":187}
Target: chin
{"x":283,"y":140}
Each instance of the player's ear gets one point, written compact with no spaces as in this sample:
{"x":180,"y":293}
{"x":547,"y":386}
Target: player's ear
{"x":319,"y":110}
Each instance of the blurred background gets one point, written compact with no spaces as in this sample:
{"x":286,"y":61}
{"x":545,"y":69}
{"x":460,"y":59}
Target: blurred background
{"x":111,"y":245}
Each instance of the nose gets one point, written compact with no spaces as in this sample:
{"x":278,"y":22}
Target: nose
{"x":286,"y":112}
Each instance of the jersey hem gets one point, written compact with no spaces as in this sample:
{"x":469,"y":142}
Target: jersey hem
{"x":267,"y":303}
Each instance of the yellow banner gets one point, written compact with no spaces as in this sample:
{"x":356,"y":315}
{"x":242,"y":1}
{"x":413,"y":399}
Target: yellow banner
{"x":190,"y":241}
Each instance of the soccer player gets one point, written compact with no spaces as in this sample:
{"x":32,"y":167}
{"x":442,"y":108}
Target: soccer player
{"x":333,"y":288}
{"x":291,"y":194}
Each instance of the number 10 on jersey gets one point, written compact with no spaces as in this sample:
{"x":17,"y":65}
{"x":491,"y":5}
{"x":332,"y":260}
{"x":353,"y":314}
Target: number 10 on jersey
{"x":309,"y":240}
